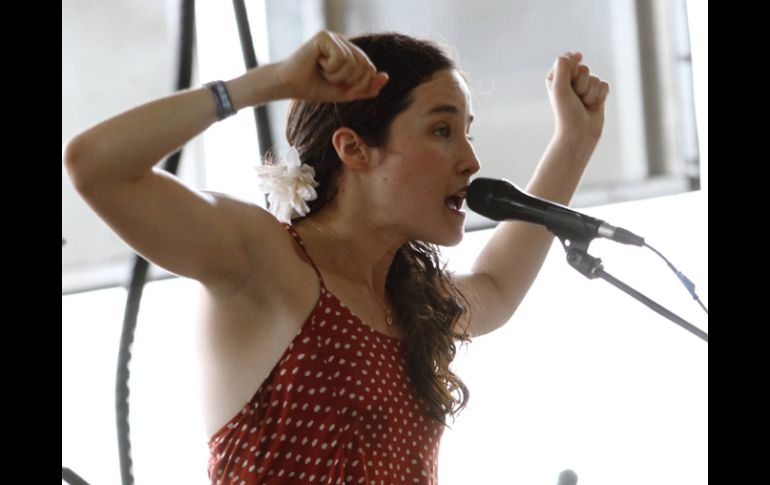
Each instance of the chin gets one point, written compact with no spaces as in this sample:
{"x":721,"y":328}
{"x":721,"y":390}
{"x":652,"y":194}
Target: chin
{"x":448,"y":238}
{"x":455,"y":240}
{"x":440,"y":231}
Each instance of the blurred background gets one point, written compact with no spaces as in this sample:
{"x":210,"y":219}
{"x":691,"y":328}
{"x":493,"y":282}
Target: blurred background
{"x":583,"y":377}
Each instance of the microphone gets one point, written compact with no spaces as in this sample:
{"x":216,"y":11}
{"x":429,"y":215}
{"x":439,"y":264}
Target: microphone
{"x":567,"y":477}
{"x":501,"y":200}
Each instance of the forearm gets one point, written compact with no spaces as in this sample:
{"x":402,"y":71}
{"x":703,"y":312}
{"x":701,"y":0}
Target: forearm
{"x":127,"y":146}
{"x":513,"y":256}
{"x":558,"y":174}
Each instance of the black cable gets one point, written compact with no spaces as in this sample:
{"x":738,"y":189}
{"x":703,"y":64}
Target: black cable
{"x":71,"y":477}
{"x":141,"y":266}
{"x":139,"y":272}
{"x":135,"y":290}
{"x":261,"y":115}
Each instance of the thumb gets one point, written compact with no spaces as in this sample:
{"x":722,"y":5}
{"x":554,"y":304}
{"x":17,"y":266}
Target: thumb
{"x":378,"y":82}
{"x":562,"y":76}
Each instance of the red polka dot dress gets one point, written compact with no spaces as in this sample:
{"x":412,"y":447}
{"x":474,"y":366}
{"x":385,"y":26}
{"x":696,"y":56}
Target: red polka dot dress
{"x":337,"y":408}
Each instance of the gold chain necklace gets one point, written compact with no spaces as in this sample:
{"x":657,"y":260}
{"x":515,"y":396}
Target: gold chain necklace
{"x":388,"y":314}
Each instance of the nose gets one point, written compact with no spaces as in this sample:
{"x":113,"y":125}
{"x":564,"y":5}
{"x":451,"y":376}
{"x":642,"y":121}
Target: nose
{"x":470,"y":162}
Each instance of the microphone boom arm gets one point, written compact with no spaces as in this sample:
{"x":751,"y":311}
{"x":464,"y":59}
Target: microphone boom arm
{"x":592,"y":268}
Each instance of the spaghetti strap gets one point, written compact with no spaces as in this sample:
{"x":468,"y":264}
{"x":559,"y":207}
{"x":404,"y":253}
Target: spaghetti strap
{"x":296,"y":237}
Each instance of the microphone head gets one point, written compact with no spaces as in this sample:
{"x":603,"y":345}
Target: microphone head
{"x":500,"y":200}
{"x":483,"y":193}
{"x":567,"y":477}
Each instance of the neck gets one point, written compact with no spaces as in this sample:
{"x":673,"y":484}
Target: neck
{"x":357,"y":246}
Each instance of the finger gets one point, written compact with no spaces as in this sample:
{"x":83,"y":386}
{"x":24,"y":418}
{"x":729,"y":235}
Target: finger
{"x":358,"y":53}
{"x":346,"y":68}
{"x":583,"y":80}
{"x":604,"y":91}
{"x":378,"y":82}
{"x":577,"y":56}
{"x":589,"y":99}
{"x":374,"y":85}
{"x":560,"y":77}
{"x":361,"y":85}
{"x":357,"y":64}
{"x":367,"y":81}
{"x":574,"y":62}
{"x":359,"y":77}
{"x":330,"y":55}
{"x":361,"y":70}
{"x":346,"y":74}
{"x":363,"y":63}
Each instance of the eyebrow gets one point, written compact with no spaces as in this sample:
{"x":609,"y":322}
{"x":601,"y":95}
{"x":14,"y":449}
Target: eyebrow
{"x":448,"y":108}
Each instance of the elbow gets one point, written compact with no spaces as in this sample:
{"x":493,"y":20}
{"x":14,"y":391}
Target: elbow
{"x":73,"y":159}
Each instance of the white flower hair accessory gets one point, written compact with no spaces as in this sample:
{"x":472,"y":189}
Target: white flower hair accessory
{"x":289,"y":185}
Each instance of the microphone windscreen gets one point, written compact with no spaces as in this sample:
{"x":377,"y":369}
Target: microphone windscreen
{"x":500,"y":200}
{"x":477,"y":192}
{"x":481,"y":194}
{"x":567,"y":477}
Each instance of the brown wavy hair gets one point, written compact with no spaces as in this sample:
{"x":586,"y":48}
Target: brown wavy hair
{"x":427,"y":302}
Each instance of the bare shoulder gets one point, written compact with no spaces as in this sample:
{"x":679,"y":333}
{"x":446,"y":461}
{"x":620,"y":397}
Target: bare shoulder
{"x":270,"y":261}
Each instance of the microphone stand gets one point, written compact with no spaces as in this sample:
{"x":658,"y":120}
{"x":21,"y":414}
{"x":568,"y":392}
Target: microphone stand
{"x":592,"y":268}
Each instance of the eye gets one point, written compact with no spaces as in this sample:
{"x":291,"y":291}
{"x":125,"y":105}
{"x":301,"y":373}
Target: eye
{"x":469,"y":137}
{"x":442,"y":131}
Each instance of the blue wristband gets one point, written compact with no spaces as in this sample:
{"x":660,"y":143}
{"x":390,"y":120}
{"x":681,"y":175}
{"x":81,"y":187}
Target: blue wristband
{"x":221,"y":98}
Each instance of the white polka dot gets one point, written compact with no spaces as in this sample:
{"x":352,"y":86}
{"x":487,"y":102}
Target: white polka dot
{"x":282,"y":421}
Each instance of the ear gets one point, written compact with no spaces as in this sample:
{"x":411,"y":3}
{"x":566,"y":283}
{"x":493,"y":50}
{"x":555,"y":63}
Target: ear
{"x":351,"y":148}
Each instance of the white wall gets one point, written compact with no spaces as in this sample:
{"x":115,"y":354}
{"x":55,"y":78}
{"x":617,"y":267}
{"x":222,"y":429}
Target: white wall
{"x":583,"y":377}
{"x":116,"y":54}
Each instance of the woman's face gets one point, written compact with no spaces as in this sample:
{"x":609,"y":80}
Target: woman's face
{"x":428,"y":161}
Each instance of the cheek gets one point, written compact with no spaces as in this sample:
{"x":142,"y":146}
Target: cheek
{"x":416,"y":178}
{"x":421,"y":171}
{"x":433,"y":183}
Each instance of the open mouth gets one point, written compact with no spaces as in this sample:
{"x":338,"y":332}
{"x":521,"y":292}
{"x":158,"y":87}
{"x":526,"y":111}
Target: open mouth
{"x":454,"y":202}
